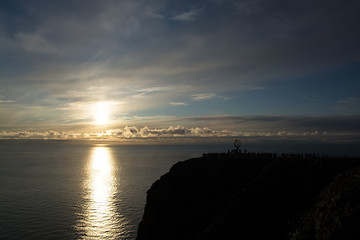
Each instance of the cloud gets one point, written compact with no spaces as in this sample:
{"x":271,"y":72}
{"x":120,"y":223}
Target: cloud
{"x":178,"y":104}
{"x":177,"y":132}
{"x":40,"y":135}
{"x":348,"y":105}
{"x":331,"y":124}
{"x":67,"y":51}
{"x":36,"y":44}
{"x":350,"y":100}
{"x":114,"y":132}
{"x":203,"y":96}
{"x":156,"y":15}
{"x":188,"y":16}
{"x":130,"y":132}
{"x":248,"y":7}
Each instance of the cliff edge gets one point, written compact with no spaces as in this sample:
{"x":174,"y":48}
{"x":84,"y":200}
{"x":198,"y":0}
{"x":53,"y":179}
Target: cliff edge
{"x":255,"y":196}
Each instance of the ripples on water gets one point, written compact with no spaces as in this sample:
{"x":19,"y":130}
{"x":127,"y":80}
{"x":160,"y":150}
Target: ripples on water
{"x":100,"y":217}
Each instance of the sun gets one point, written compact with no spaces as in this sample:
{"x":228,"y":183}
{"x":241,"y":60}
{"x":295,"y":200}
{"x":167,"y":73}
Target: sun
{"x":101,"y":113}
{"x":101,"y":117}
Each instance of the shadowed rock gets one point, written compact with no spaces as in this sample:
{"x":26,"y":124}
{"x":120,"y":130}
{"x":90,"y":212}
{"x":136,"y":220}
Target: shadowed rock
{"x":236,"y":197}
{"x":336,"y":214}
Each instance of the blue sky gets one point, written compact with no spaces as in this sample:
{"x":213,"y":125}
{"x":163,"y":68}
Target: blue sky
{"x":82,"y":68}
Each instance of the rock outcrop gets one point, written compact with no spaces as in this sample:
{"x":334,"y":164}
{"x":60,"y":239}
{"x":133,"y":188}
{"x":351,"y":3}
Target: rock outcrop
{"x":248,"y":196}
{"x":336,"y":213}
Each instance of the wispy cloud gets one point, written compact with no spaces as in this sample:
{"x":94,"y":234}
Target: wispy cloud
{"x":178,"y":104}
{"x":348,"y":104}
{"x":36,"y":44}
{"x":203,"y":96}
{"x":188,"y":16}
{"x":350,"y":100}
{"x":156,"y":15}
{"x":248,"y":7}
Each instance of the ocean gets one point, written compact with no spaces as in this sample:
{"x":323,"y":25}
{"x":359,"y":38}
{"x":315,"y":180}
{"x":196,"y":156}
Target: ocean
{"x":87,"y":190}
{"x":62,"y":190}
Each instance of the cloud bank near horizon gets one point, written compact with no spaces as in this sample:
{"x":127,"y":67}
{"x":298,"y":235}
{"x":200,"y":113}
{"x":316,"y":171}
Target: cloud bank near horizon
{"x":180,"y":132}
{"x":319,"y":128}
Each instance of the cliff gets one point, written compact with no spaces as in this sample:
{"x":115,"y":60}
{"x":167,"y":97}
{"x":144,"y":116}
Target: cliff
{"x":254,"y":196}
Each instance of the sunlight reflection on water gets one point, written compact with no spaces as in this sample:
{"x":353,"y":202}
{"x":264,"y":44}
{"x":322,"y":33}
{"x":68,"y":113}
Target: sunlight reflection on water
{"x":101,"y":219}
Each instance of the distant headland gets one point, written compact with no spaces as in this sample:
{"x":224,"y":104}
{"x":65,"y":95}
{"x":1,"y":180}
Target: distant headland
{"x":242,"y":195}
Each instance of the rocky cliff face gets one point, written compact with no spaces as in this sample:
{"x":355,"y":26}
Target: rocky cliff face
{"x":336,"y":212}
{"x":253,"y":197}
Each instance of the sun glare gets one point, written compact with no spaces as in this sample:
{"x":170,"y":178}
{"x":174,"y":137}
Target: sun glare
{"x":101,"y":113}
{"x":100,"y":219}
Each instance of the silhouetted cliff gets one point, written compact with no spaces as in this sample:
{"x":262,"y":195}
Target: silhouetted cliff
{"x":249,"y":196}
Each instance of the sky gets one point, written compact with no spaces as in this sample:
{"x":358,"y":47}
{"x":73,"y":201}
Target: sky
{"x":112,"y":69}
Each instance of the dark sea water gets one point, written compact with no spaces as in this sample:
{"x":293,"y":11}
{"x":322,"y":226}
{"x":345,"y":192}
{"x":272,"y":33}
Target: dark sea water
{"x":62,"y":190}
{"x":55,"y":190}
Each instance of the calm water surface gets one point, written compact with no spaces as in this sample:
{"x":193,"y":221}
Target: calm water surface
{"x":52,"y":190}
